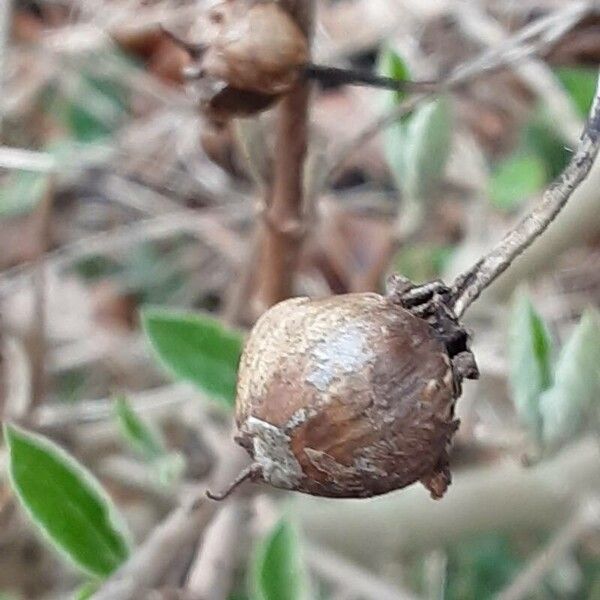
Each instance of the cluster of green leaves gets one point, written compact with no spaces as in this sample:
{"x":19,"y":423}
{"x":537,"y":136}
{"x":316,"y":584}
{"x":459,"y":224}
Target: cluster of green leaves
{"x":555,"y":399}
{"x":541,"y":154}
{"x":87,"y":117}
{"x":417,"y":147}
{"x":482,"y":565}
{"x":76,"y":515}
{"x":150,"y":272}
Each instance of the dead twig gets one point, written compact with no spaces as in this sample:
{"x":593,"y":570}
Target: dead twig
{"x":468,"y":286}
{"x":533,"y":72}
{"x":147,"y":565}
{"x":211,"y":574}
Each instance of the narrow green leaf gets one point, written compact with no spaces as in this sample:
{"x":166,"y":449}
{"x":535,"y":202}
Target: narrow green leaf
{"x":422,"y":262}
{"x":530,"y":353}
{"x":580,"y":83}
{"x":97,"y":104}
{"x":279,"y":572}
{"x":196,"y":348}
{"x":66,"y":502}
{"x":20,"y":191}
{"x":86,"y":590}
{"x":516,"y":179}
{"x":141,"y":436}
{"x":567,"y":406}
{"x":391,"y":64}
{"x":427,"y":148}
{"x":540,"y":138}
{"x":146,"y":441}
{"x":169,"y":468}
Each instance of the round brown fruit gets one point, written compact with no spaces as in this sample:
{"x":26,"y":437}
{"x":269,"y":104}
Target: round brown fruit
{"x":347,"y":397}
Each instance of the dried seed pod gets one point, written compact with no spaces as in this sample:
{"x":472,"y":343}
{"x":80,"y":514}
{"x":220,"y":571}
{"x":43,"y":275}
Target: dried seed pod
{"x":252,"y":52}
{"x":349,"y":397}
{"x":259,"y":49}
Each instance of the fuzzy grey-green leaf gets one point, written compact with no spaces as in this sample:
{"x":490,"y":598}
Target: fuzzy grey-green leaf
{"x":515,"y":179}
{"x":566,"y":407}
{"x":530,"y":352}
{"x":197,"y":348}
{"x":66,"y":502}
{"x":427,"y":148}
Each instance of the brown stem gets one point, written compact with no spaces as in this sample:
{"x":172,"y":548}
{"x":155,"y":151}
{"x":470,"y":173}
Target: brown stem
{"x":36,"y":336}
{"x":283,"y":218}
{"x":468,"y":286}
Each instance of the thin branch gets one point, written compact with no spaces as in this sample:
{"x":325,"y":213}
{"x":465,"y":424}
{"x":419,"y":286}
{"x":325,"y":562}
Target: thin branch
{"x":468,"y":286}
{"x":201,"y":226}
{"x":586,"y":518}
{"x":148,"y":564}
{"x":532,"y":39}
{"x":536,"y":74}
{"x":36,"y":338}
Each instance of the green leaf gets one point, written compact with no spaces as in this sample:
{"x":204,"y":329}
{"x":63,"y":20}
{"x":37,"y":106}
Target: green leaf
{"x":517,"y":178}
{"x":97,"y":104}
{"x":427,"y":146}
{"x":567,"y":407}
{"x":279,"y":572}
{"x":142,"y":438}
{"x":422,"y":262}
{"x":148,"y":443}
{"x":580,"y":83}
{"x":86,"y":590}
{"x":541,"y":139}
{"x":66,"y":502}
{"x":169,"y":469}
{"x":391,"y":64}
{"x":20,"y":191}
{"x":530,"y":354}
{"x":196,"y":348}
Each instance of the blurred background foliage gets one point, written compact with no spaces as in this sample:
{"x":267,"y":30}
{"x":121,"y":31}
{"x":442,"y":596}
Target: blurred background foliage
{"x":143,"y":228}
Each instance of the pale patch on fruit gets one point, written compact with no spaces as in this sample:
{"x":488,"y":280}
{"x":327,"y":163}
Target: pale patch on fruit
{"x":343,"y":352}
{"x":273,"y":453}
